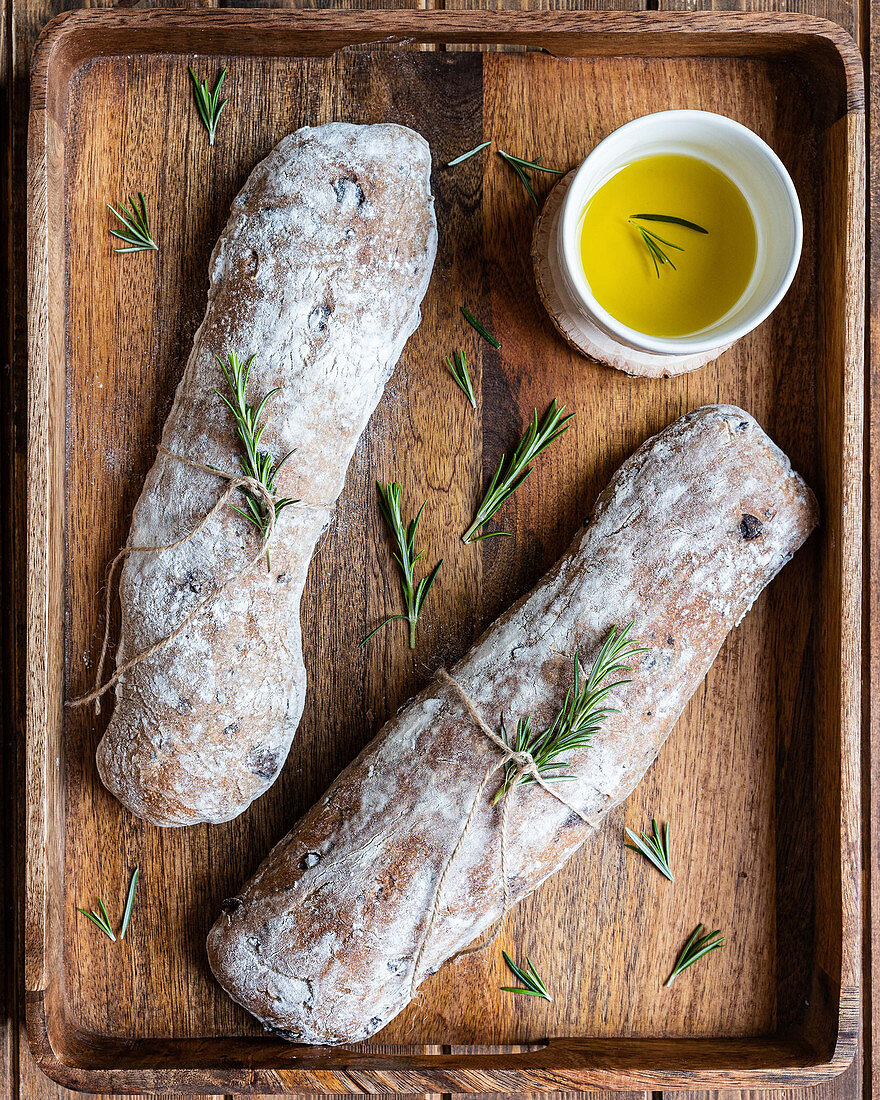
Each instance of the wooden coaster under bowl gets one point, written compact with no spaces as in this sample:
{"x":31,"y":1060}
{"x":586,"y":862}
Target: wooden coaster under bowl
{"x":581,"y":333}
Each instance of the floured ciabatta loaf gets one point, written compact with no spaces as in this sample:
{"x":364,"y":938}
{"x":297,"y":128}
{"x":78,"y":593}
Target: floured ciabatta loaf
{"x":319,"y":274}
{"x":329,"y":939}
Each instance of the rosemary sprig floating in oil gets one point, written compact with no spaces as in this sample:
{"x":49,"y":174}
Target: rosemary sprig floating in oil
{"x":405,"y":555}
{"x":655,"y":848}
{"x":470,"y":153}
{"x":654,"y":243}
{"x":579,"y":719}
{"x":100,"y":920}
{"x":696,"y":947}
{"x":532,"y":983}
{"x":137,"y":233}
{"x":257,"y":464}
{"x":522,"y":167}
{"x":208,"y":103}
{"x":479,"y":327}
{"x":457,"y":366}
{"x":514,"y":469}
{"x":129,"y":903}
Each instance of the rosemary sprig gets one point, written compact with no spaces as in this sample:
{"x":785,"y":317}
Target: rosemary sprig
{"x":207,"y":103}
{"x":405,"y":555}
{"x":514,"y":469}
{"x":653,"y":242}
{"x":129,"y":903}
{"x":479,"y":327}
{"x":457,"y":366}
{"x":521,"y":167}
{"x":470,"y":153}
{"x":695,"y":948}
{"x":100,"y":920}
{"x":137,"y":226}
{"x":655,"y":848}
{"x":532,"y":983}
{"x":580,"y":717}
{"x":671,"y":219}
{"x":257,"y":464}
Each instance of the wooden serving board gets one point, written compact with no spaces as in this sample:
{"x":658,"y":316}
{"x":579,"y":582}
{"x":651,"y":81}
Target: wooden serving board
{"x":760,"y":776}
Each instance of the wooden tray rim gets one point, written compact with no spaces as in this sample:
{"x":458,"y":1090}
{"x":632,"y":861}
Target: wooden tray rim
{"x":561,"y":1063}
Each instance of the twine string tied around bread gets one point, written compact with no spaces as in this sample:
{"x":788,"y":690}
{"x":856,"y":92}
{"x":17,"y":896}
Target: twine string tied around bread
{"x":524,"y":765}
{"x":234,"y":482}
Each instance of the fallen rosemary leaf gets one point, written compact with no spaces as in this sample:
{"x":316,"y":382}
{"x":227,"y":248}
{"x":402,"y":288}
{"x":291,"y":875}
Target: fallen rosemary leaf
{"x":100,"y":920}
{"x":479,"y":327}
{"x":470,"y":153}
{"x":129,"y":903}
{"x":695,"y":948}
{"x":521,"y":166}
{"x":405,"y":555}
{"x":670,"y":219}
{"x":655,"y":848}
{"x":257,"y":464}
{"x":579,"y":719}
{"x":207,"y":103}
{"x":457,"y":366}
{"x":532,"y":983}
{"x":137,"y":225}
{"x":514,"y":469}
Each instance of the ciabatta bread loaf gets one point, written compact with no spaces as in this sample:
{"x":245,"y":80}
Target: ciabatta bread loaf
{"x":319,"y":274}
{"x":329,"y":939}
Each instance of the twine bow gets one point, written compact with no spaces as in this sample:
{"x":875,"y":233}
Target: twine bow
{"x":234,"y":483}
{"x":523,"y":764}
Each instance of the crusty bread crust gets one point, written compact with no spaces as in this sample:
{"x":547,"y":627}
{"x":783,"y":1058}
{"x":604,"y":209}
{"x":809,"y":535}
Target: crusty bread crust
{"x":321,"y":943}
{"x":319,"y":272}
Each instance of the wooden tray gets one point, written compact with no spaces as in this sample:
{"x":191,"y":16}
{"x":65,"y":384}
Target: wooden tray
{"x":760,"y":777}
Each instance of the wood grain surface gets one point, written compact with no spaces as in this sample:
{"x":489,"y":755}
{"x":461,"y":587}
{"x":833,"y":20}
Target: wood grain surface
{"x":157,"y":332}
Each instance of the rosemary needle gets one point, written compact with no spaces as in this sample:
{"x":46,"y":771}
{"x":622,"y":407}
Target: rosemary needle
{"x":655,"y":848}
{"x":470,"y":153}
{"x":136,"y":221}
{"x":695,"y":948}
{"x":653,"y":242}
{"x":129,"y":903}
{"x":414,"y":595}
{"x":532,"y":983}
{"x":457,"y":366}
{"x":479,"y":327}
{"x":208,"y":103}
{"x":514,"y":469}
{"x":100,"y":920}
{"x":579,"y":719}
{"x":521,"y":167}
{"x":256,"y":464}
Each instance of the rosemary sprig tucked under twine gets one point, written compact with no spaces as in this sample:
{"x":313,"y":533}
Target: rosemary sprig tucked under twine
{"x":655,"y":848}
{"x":532,"y":982}
{"x":525,"y":766}
{"x":136,"y":221}
{"x":696,"y":947}
{"x":579,"y":719}
{"x":406,"y":557}
{"x":514,"y":469}
{"x":208,"y":103}
{"x":102,"y":920}
{"x":262,"y":508}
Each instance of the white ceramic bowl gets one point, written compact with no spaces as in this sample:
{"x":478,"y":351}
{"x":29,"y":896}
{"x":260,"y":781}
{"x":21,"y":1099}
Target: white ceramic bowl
{"x":746,"y":160}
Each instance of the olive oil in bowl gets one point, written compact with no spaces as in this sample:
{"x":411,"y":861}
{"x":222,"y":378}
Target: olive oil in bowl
{"x":668,"y":245}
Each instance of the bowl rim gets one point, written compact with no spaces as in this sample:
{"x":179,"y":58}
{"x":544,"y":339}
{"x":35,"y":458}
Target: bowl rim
{"x":573,"y":271}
